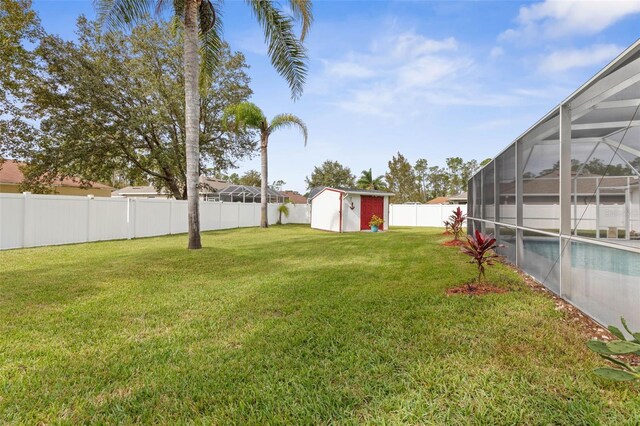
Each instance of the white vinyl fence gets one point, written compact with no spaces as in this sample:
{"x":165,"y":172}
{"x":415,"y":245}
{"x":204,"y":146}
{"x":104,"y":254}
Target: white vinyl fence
{"x":421,"y":214}
{"x":28,"y":220}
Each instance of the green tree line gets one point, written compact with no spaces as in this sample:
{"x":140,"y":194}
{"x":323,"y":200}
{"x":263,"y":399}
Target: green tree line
{"x":418,"y":182}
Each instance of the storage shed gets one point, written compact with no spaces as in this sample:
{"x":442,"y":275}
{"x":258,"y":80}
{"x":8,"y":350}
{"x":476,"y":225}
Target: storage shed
{"x":348,"y":210}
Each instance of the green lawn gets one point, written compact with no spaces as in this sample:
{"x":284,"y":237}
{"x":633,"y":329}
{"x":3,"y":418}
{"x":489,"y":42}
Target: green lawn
{"x":286,"y":325}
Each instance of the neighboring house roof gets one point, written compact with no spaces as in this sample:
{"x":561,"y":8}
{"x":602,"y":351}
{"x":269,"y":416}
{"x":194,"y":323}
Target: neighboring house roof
{"x":450,"y":199}
{"x":295,"y":197}
{"x":211,"y":185}
{"x":439,"y":200}
{"x":11,"y":174}
{"x":207,"y":186}
{"x":355,"y":191}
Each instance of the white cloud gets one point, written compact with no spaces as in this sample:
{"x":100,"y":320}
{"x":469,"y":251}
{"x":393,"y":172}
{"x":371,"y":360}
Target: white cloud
{"x":496,"y":52}
{"x":563,"y":60}
{"x":393,"y":73}
{"x":410,"y":45}
{"x":558,"y":18}
{"x":348,"y":70}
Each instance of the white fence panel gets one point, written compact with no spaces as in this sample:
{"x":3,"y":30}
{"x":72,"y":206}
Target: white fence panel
{"x":56,"y":220}
{"x":28,"y":220}
{"x":272,"y":213}
{"x":209,"y":216}
{"x":246,"y":216}
{"x":229,"y":215}
{"x":421,"y":214}
{"x":152,"y":217}
{"x":108,"y":219}
{"x":298,"y":213}
{"x":11,"y":221}
{"x":179,"y":219}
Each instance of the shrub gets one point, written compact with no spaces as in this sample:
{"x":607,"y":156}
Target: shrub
{"x":283,"y":209}
{"x":481,"y":248}
{"x":455,"y":223}
{"x":606,"y":350}
{"x":375,"y":221}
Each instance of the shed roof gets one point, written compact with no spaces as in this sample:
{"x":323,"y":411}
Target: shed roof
{"x":353,"y":191}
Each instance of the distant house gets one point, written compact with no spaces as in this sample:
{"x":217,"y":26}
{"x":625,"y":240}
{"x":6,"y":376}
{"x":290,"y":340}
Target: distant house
{"x":545,"y":189}
{"x":295,"y":197}
{"x":11,"y":177}
{"x":208,"y":188}
{"x":142,"y":191}
{"x":452,"y":199}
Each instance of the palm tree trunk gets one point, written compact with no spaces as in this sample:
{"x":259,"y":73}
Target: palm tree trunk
{"x":192,"y":117}
{"x":264,"y":217}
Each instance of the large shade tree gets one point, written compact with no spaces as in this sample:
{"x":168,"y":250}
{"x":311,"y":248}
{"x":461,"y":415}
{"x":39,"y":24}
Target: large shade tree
{"x":331,"y":173}
{"x":245,"y":116}
{"x":19,"y":27}
{"x":108,"y":107}
{"x":201,"y":45}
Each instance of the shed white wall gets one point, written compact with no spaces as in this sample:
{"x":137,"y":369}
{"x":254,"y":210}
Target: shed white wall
{"x":325,"y":211}
{"x":386,"y":218}
{"x":351,"y":218}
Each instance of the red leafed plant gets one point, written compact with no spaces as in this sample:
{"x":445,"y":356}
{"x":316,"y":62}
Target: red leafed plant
{"x":455,"y":222}
{"x":481,"y":248}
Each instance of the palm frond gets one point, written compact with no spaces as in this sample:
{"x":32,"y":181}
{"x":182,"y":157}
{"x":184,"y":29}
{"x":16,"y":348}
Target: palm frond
{"x":289,"y":120}
{"x":302,"y":12}
{"x":241,"y":116}
{"x":210,"y":40}
{"x":122,"y":13}
{"x":288,"y":55}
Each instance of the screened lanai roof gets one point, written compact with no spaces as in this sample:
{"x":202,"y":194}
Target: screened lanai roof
{"x":247,"y":191}
{"x":245,"y":194}
{"x":605,"y":119}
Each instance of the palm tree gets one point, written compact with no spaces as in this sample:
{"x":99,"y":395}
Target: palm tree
{"x":366,"y":181}
{"x":245,"y":116}
{"x":201,"y":44}
{"x":283,"y":209}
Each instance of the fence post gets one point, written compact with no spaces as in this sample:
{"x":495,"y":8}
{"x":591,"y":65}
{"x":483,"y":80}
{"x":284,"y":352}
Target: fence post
{"x":28,"y":238}
{"x":89,"y":198}
{"x":131,"y":218}
{"x":170,"y":216}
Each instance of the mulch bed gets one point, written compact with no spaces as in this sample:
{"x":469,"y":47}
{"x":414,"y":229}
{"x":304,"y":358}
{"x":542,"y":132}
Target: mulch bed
{"x":476,"y":290}
{"x":453,"y":243}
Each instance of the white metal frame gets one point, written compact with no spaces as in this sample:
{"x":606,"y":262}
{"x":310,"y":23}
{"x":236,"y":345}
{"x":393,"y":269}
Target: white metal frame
{"x":590,"y":96}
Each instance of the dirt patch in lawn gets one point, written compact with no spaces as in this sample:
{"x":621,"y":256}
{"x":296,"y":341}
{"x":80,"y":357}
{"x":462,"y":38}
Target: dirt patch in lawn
{"x":476,"y":290}
{"x":453,"y":243}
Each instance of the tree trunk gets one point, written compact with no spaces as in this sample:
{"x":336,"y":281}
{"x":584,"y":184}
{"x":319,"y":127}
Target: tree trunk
{"x":264,"y":217}
{"x":192,"y":117}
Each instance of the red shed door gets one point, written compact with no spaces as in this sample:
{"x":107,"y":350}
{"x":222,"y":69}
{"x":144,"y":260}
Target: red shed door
{"x":368,"y":207}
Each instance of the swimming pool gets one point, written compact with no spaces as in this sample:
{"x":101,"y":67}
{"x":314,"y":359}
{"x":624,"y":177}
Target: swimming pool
{"x":588,"y":256}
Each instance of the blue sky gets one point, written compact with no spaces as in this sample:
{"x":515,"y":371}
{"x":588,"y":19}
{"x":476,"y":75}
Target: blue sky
{"x":428,"y":79}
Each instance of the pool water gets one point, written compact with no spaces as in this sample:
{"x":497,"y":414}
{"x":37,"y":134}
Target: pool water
{"x":588,"y":256}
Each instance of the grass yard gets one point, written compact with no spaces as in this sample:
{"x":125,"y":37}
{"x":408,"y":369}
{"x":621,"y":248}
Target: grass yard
{"x":287,"y":326}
